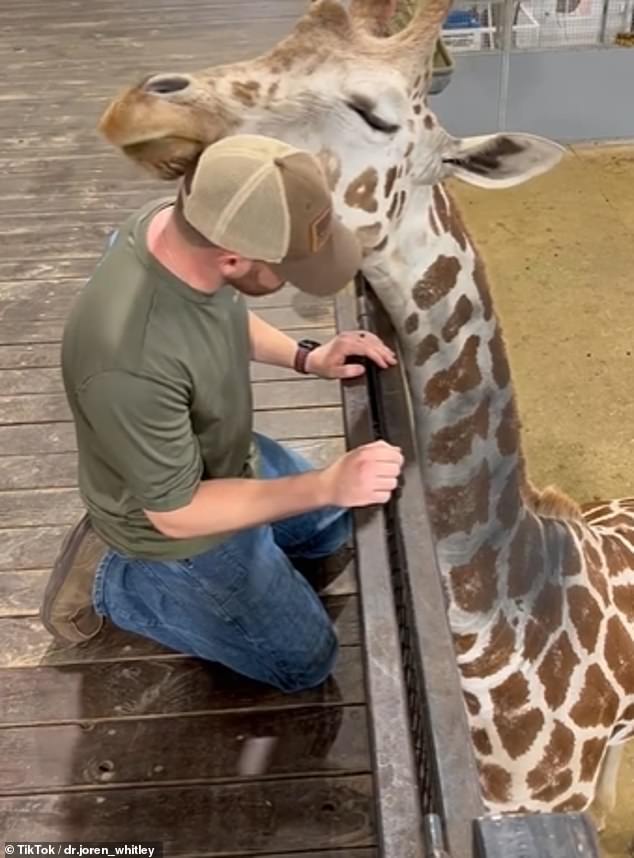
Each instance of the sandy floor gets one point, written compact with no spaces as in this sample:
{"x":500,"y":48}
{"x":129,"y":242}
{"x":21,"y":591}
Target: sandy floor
{"x":560,"y":252}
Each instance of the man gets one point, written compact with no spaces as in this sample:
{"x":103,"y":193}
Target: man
{"x":193,"y":520}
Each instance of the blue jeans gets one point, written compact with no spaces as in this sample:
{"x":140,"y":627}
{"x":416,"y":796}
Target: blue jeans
{"x":242,"y":603}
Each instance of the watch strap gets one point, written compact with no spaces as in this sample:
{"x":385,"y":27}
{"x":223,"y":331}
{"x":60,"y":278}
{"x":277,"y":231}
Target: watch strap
{"x":304,"y":348}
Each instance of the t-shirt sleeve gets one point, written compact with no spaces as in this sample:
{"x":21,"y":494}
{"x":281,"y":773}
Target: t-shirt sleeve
{"x":143,"y":430}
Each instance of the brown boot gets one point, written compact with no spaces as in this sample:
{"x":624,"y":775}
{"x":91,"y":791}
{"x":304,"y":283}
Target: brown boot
{"x":67,"y":609}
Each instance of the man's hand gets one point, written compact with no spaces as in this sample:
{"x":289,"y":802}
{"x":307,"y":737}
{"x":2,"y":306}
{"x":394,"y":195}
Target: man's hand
{"x":365,"y":476}
{"x":329,"y":360}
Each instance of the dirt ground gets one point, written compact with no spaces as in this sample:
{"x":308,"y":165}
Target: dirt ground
{"x":560,"y":253}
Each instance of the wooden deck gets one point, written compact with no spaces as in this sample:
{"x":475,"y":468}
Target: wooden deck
{"x":121,"y":740}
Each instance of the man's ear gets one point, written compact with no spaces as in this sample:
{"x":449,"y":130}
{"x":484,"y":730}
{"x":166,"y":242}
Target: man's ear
{"x":502,"y":160}
{"x":232,"y":264}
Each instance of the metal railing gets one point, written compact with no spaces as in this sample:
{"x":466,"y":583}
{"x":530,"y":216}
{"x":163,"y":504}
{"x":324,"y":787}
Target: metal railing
{"x":428,"y":797}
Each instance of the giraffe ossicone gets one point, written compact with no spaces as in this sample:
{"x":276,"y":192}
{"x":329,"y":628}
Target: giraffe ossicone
{"x":541,"y":591}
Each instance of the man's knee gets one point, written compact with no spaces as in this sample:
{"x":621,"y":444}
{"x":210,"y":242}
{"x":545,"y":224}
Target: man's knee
{"x":314,"y":669}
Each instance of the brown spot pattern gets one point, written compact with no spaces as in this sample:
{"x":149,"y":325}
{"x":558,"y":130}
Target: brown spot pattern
{"x":501,"y":370}
{"x":497,"y":652}
{"x":598,"y":703}
{"x":556,"y":669}
{"x":463,"y":643}
{"x":618,"y":557}
{"x":417,"y":109}
{"x":572,"y":561}
{"x":480,"y":280}
{"x":425,"y":349}
{"x":246,"y":93}
{"x":441,"y":208}
{"x":508,"y":506}
{"x":481,"y":742}
{"x":526,"y":557}
{"x":495,"y":782}
{"x":591,"y":755}
{"x":472,"y":703}
{"x":575,"y":802}
{"x":547,"y":614}
{"x":455,"y":509}
{"x":557,"y":784}
{"x":401,"y":203}
{"x":361,"y":193}
{"x":594,"y":568}
{"x":390,"y":178}
{"x":593,"y":511}
{"x":474,"y":585}
{"x":628,"y":715}
{"x":534,"y":640}
{"x":585,"y":615}
{"x":463,"y":375}
{"x":393,"y":206}
{"x":511,"y":694}
{"x":456,"y":224}
{"x":549,"y":779}
{"x":428,"y":122}
{"x":619,"y":654}
{"x":619,"y":521}
{"x":518,"y":730}
{"x":507,"y":434}
{"x":624,"y":600}
{"x":411,"y":323}
{"x":437,"y":282}
{"x":459,"y":317}
{"x":453,"y":443}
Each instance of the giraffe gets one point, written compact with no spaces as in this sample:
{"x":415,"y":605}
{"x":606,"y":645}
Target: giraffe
{"x":540,"y":591}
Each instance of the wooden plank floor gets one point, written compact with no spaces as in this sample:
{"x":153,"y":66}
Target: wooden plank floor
{"x":121,"y":739}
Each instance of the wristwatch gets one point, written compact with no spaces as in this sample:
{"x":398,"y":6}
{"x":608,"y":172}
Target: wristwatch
{"x":304,"y":348}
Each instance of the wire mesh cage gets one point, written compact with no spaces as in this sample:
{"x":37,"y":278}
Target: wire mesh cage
{"x":478,"y":25}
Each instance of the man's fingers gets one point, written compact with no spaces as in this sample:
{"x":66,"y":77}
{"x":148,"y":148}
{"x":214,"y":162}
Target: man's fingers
{"x":378,"y":353}
{"x":387,"y":484}
{"x":351,"y":370}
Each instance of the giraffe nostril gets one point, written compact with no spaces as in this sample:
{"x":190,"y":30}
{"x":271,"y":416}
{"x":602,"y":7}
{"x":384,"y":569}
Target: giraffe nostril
{"x":166,"y":85}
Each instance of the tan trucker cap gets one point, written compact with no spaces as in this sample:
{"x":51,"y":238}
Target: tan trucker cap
{"x":269,"y":202}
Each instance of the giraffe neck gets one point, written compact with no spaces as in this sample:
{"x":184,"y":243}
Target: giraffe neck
{"x":544,"y":659}
{"x":436,"y":293}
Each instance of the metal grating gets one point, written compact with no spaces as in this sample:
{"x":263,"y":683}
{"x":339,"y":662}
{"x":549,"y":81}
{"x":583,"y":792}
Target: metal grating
{"x":478,"y":25}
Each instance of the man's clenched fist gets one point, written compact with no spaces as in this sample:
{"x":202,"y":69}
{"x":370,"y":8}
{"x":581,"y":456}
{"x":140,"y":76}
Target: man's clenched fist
{"x":365,"y":476}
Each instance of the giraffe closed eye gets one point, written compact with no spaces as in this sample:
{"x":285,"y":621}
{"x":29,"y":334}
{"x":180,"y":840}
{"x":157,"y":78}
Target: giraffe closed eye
{"x":366,"y":112}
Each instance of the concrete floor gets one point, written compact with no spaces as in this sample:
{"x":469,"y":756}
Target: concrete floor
{"x":560,"y":253}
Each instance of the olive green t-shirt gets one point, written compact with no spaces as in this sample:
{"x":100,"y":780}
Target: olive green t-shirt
{"x":157,"y":377}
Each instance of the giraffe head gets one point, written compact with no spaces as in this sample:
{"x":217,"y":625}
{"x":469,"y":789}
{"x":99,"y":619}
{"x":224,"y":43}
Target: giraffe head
{"x":337,"y":86}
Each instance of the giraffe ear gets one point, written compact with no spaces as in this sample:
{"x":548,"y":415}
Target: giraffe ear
{"x":502,"y":160}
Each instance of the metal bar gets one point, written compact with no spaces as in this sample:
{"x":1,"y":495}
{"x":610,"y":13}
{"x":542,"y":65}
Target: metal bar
{"x":508,"y":16}
{"x":604,"y":22}
{"x":556,"y":835}
{"x":457,"y":798}
{"x":399,"y":815}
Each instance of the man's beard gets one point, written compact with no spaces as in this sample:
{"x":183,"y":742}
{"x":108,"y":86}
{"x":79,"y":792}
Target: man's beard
{"x":251,"y":284}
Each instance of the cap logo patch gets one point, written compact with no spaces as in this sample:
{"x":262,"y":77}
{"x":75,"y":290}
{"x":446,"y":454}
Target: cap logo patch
{"x":320,"y":230}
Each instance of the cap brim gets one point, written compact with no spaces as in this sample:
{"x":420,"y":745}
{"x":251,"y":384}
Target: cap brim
{"x":327,"y":271}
